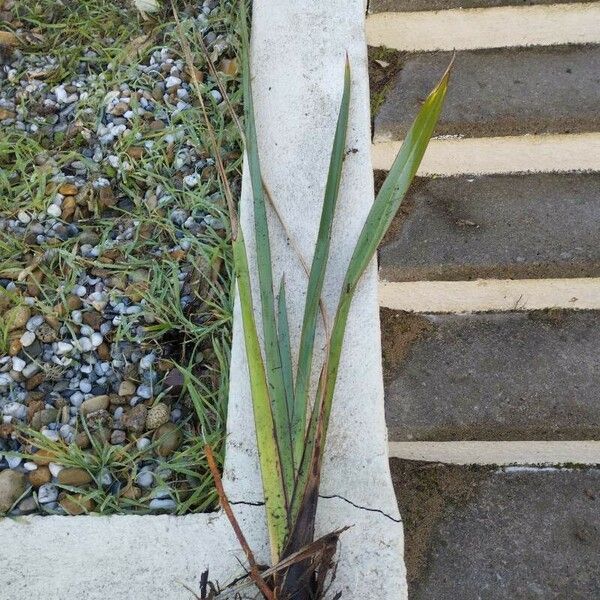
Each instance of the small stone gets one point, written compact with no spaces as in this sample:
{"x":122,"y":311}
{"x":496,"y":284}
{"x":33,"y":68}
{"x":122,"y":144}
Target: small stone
{"x":85,"y":344}
{"x":54,"y":211}
{"x":68,"y":208}
{"x":48,"y":415}
{"x":64,"y":348}
{"x":55,"y":469}
{"x":23,"y":217}
{"x":12,"y":486}
{"x":17,"y":317}
{"x":103,"y":351}
{"x":135,"y":419}
{"x":34,"y":322}
{"x":94,"y":404}
{"x":27,"y":339}
{"x":120,"y":109}
{"x":40,"y":476}
{"x":127,"y":388}
{"x":143,"y":443}
{"x":158,"y":415}
{"x":162,"y":505}
{"x":172,"y":82}
{"x":68,"y":189}
{"x":145,"y":479}
{"x":168,"y":438}
{"x":74,"y":476}
{"x":43,"y":457}
{"x":132,"y":492}
{"x":45,"y":333}
{"x":27,"y":506}
{"x":76,"y":504}
{"x":118,"y":437}
{"x":82,"y":440}
{"x":34,"y":381}
{"x":144,"y":391}
{"x":18,"y":364}
{"x":47,"y":493}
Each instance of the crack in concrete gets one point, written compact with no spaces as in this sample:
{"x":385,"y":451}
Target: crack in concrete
{"x":326,"y":497}
{"x":377,"y":510}
{"x":246,"y":503}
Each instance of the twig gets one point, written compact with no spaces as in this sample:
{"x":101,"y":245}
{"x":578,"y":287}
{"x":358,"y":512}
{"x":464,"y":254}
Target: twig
{"x":254,"y":572}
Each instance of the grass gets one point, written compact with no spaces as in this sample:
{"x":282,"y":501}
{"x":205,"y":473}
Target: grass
{"x":104,"y":40}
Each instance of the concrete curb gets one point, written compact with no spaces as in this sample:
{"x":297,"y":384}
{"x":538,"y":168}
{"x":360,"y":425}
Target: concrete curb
{"x":298,"y":57}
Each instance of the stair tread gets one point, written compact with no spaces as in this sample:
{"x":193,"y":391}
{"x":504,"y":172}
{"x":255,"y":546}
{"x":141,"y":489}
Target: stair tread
{"x":492,"y":376}
{"x":500,"y":226}
{"x":497,"y":534}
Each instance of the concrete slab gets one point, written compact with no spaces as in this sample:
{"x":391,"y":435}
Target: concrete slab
{"x":378,"y":6}
{"x":516,"y":533}
{"x":513,"y":226}
{"x":494,"y":376}
{"x":126,"y":556}
{"x":499,"y":92}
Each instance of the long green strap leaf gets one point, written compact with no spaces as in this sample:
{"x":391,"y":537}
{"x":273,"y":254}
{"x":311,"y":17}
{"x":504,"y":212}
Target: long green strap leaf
{"x":377,"y":223}
{"x":268,"y":451}
{"x":317,"y":273}
{"x":265,"y":275}
{"x":283,"y":330}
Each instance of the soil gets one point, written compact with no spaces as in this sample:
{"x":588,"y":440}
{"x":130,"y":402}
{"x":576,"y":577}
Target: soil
{"x":399,"y":331}
{"x":426,"y":493}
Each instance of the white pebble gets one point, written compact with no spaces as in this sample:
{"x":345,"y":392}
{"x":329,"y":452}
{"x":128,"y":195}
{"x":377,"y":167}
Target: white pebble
{"x":34,"y":323}
{"x":18,"y":364}
{"x":80,"y":291}
{"x":86,"y":330}
{"x":143,"y":443}
{"x":144,"y":391}
{"x":55,"y":469}
{"x":96,"y":339}
{"x":172,"y":82}
{"x":30,"y":466}
{"x":47,"y":493}
{"x":24,"y":217}
{"x":54,"y":211}
{"x":63,"y":347}
{"x":85,"y":344}
{"x":85,"y":386}
{"x":13,"y":461}
{"x":27,"y":339}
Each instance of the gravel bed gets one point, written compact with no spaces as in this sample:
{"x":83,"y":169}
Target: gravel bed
{"x":114,"y":269}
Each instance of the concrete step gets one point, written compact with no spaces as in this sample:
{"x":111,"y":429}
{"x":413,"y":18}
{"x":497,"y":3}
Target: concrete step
{"x":504,"y":92}
{"x":379,"y":6}
{"x":506,"y":226}
{"x":492,"y":376}
{"x":496,"y":534}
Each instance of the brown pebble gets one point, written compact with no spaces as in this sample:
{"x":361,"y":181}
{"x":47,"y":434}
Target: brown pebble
{"x":45,"y":333}
{"x":74,"y":476}
{"x":68,"y":189}
{"x":82,"y":440}
{"x":40,"y":476}
{"x":76,"y":504}
{"x":135,"y":152}
{"x":103,"y":351}
{"x":93,"y":319}
{"x":94,"y":404}
{"x":157,"y":125}
{"x":127,"y":388}
{"x":68,"y":207}
{"x":167,"y":438}
{"x":131,"y":492}
{"x":118,"y":437}
{"x":14,"y":343}
{"x":106,"y":197}
{"x":120,"y":109}
{"x":17,"y":317}
{"x":135,"y":419}
{"x":35,"y":381}
{"x":43,"y":457}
